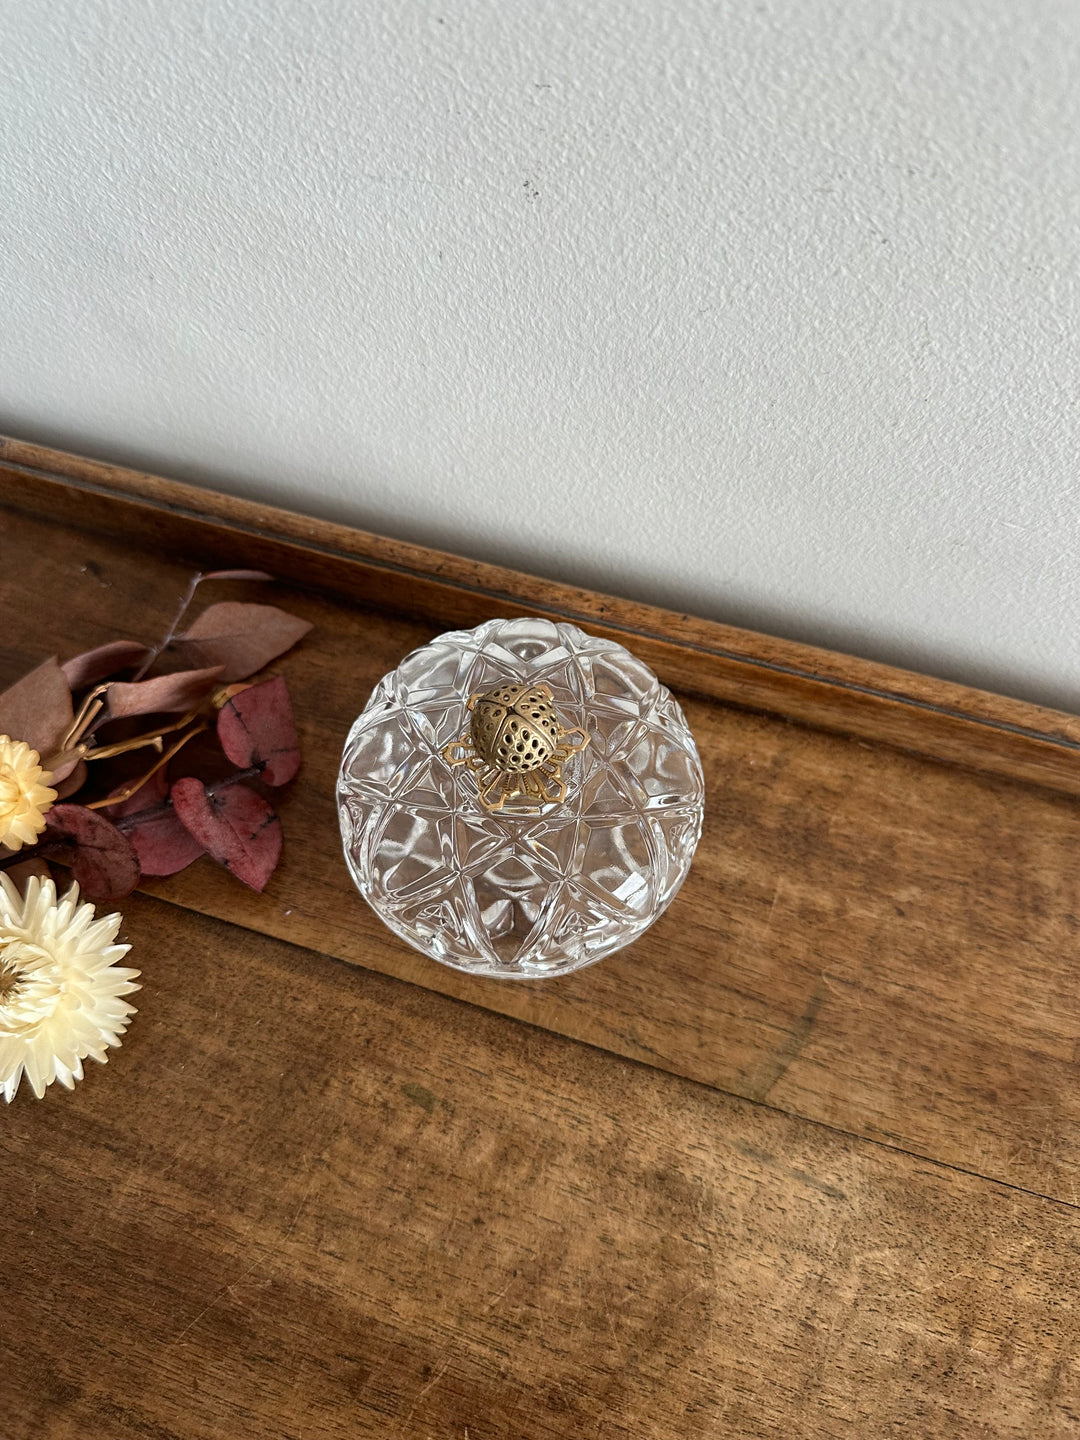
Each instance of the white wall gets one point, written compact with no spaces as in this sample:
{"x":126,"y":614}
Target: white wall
{"x":764,"y":310}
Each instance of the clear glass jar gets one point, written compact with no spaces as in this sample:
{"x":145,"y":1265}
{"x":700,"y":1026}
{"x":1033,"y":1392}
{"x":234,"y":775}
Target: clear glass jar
{"x":538,"y":887}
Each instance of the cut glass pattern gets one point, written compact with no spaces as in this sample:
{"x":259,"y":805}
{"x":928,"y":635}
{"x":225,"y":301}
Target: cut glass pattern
{"x":531,"y":890}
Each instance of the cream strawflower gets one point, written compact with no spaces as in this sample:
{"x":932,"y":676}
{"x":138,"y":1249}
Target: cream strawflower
{"x":24,"y":794}
{"x":59,"y":986}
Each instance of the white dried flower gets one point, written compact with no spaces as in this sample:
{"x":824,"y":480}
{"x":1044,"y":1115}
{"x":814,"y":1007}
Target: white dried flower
{"x":24,"y":793}
{"x":60,"y":988}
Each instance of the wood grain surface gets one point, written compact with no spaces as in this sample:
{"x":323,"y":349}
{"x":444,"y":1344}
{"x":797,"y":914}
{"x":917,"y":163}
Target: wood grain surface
{"x":801,"y":1162}
{"x":308,"y":1201}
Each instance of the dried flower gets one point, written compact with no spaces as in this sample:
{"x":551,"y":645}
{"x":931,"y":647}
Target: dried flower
{"x":117,"y":820}
{"x":60,"y":988}
{"x":24,"y":794}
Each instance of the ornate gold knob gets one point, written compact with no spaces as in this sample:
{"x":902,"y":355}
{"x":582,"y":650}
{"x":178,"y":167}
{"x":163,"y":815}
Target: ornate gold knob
{"x":517,"y":746}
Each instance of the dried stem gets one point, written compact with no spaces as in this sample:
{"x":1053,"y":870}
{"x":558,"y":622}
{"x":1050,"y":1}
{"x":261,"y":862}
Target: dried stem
{"x":88,"y":711}
{"x":131,"y":822}
{"x":121,"y":747}
{"x":32,"y":852}
{"x":158,"y":650}
{"x":136,"y":785}
{"x":138,"y":742}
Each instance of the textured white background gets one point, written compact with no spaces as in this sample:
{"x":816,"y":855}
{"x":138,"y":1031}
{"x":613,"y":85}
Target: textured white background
{"x":767,"y":311}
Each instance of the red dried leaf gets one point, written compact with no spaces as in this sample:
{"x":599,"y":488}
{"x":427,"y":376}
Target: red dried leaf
{"x":37,"y":708}
{"x":104,"y":861}
{"x":98,"y":664}
{"x":256,"y":727}
{"x":169,"y":693}
{"x":235,"y":825}
{"x":242,"y":638}
{"x":153,"y":792}
{"x":163,"y":844}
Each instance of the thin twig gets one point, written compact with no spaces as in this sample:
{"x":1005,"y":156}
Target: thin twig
{"x":158,"y":650}
{"x":152,"y":812}
{"x":32,"y":852}
{"x":136,"y":786}
{"x":121,"y":747}
{"x":138,"y":741}
{"x":89,"y":708}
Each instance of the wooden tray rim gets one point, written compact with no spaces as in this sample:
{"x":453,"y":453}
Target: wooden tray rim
{"x":938,"y":718}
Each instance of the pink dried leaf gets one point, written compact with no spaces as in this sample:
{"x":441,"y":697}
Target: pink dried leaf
{"x":37,"y":708}
{"x":164,"y":845}
{"x":69,"y":777}
{"x":161,"y":842}
{"x":256,"y":727}
{"x":62,"y":766}
{"x":234,"y":825}
{"x":153,"y":792}
{"x":171,"y":694}
{"x":104,"y":861}
{"x":242,"y":638}
{"x":96,"y":665}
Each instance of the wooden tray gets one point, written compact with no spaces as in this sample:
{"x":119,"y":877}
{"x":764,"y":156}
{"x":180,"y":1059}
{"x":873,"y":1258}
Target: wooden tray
{"x":802,"y":1162}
